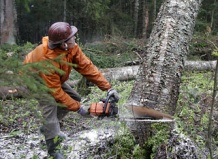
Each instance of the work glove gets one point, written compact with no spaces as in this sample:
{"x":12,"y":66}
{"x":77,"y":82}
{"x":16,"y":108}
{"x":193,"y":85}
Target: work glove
{"x":112,"y":92}
{"x":84,"y":111}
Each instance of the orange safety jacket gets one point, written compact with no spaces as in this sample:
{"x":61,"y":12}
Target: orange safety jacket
{"x":54,"y":80}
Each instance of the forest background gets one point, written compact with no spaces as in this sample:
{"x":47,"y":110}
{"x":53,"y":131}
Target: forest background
{"x":95,"y":19}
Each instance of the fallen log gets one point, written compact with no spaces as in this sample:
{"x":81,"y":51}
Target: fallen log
{"x":118,"y":73}
{"x":200,"y":65}
{"x":130,"y":72}
{"x":12,"y":92}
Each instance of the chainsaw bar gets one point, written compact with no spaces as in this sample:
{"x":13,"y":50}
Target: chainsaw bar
{"x":143,"y":112}
{"x":147,"y":119}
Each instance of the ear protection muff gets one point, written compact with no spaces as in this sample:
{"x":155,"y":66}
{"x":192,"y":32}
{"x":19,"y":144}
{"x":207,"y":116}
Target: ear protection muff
{"x":66,"y":46}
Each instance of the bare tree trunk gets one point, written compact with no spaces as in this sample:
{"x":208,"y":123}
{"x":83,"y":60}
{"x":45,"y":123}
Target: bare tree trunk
{"x":65,"y":10}
{"x":157,"y":85}
{"x":136,"y":11}
{"x":146,"y":21}
{"x":159,"y":75}
{"x":7,"y":22}
{"x":212,"y":16}
{"x":155,"y":9}
{"x":210,"y":124}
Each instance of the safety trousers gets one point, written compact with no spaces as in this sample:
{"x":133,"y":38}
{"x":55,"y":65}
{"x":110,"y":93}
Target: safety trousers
{"x":52,"y":113}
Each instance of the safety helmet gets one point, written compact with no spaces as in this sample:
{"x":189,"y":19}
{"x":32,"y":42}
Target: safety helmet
{"x":60,"y":32}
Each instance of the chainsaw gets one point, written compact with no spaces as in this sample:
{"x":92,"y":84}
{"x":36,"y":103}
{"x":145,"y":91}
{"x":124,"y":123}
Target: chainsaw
{"x":108,"y":108}
{"x":105,"y":108}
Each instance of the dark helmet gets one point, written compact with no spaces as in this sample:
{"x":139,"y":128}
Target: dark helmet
{"x":60,"y":32}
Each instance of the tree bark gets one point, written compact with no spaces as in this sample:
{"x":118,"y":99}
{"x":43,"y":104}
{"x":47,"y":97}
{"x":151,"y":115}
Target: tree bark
{"x":7,"y":22}
{"x":65,"y":10}
{"x":145,"y":32}
{"x":159,"y":75}
{"x":136,"y":11}
{"x":157,"y":84}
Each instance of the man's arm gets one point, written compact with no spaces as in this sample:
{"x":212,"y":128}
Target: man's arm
{"x":53,"y":82}
{"x":89,"y":70}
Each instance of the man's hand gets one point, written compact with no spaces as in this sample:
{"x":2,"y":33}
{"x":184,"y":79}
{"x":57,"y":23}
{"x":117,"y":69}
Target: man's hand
{"x":84,"y":111}
{"x":112,"y":92}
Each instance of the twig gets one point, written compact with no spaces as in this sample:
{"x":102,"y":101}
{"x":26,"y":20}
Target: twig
{"x":209,"y":142}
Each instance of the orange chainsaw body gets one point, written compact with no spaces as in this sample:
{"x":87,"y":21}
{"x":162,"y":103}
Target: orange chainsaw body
{"x":97,"y":109}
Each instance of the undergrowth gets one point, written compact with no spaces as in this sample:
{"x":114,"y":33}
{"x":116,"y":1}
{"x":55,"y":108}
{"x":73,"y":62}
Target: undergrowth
{"x":191,"y":117}
{"x":20,"y":115}
{"x":113,"y":52}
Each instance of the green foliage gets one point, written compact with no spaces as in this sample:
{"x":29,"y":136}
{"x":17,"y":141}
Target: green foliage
{"x":94,"y":18}
{"x":94,"y":9}
{"x":15,"y":74}
{"x":97,"y":18}
{"x":200,"y":82}
{"x":11,"y":63}
{"x":112,"y":52}
{"x":192,"y":109}
{"x":123,"y":144}
{"x":194,"y":98}
{"x":25,"y":4}
{"x":215,"y":52}
{"x":201,"y":46}
{"x":83,"y":87}
{"x":160,"y":136}
{"x":138,"y":152}
{"x":20,"y":113}
{"x":207,"y":17}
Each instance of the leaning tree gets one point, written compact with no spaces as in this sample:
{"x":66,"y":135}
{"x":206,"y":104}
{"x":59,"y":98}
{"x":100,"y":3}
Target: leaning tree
{"x":159,"y":75}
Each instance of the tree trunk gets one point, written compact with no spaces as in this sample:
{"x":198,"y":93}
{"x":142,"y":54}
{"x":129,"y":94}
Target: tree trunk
{"x":212,"y":16}
{"x":7,"y":22}
{"x":154,"y":10}
{"x":157,"y":85}
{"x":65,"y":10}
{"x":136,"y":11}
{"x":159,"y":75}
{"x":145,"y":32}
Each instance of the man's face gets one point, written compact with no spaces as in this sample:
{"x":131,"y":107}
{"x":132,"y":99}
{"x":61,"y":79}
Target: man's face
{"x":71,"y":42}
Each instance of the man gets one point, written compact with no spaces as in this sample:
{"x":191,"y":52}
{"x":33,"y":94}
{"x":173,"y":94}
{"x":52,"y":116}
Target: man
{"x":60,"y":43}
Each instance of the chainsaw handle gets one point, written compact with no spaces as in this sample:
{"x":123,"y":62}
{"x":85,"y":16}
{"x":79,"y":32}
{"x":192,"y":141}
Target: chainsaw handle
{"x":107,"y":100}
{"x":105,"y":103}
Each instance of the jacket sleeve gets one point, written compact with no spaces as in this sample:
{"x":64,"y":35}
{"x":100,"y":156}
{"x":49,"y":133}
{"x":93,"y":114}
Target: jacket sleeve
{"x":85,"y":67}
{"x":53,"y":82}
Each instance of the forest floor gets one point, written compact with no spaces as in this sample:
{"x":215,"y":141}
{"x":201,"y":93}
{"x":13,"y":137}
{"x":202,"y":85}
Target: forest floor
{"x":20,"y":122}
{"x":20,"y":119}
{"x":20,"y":136}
